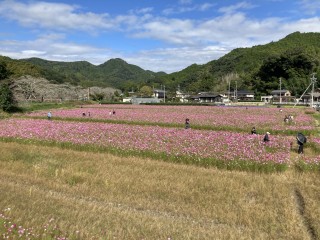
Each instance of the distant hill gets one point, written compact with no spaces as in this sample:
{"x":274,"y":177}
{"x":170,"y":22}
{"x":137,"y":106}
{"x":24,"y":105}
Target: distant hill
{"x":113,"y":73}
{"x":258,"y":68}
{"x":19,"y":68}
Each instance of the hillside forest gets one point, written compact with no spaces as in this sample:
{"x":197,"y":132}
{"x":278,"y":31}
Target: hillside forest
{"x":258,"y":68}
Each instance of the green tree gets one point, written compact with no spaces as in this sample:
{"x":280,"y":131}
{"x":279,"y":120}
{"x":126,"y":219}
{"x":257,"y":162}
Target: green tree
{"x":4,"y":73}
{"x":7,"y":102}
{"x":146,"y":91}
{"x":294,"y":67}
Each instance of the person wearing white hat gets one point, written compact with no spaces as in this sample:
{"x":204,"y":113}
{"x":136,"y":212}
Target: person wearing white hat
{"x":266,"y":137}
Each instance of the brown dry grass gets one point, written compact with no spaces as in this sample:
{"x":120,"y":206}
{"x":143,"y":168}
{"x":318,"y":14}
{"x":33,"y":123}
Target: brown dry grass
{"x":105,"y":197}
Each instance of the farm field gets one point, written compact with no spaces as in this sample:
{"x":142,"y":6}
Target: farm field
{"x":94,"y":177}
{"x":203,"y":117}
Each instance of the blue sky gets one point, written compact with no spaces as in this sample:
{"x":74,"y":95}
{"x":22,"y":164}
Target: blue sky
{"x":157,"y":35}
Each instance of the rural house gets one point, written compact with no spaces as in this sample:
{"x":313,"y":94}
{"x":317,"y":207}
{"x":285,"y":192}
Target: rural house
{"x":159,"y":93}
{"x":242,"y":95}
{"x":245,"y":95}
{"x":284,"y":95}
{"x":182,"y":96}
{"x":207,"y":98}
{"x":306,"y":99}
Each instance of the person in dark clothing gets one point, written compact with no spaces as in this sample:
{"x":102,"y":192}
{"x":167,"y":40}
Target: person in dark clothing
{"x":301,"y":140}
{"x":300,"y":149}
{"x":266,"y":137}
{"x":187,"y":124}
{"x":253,"y":130}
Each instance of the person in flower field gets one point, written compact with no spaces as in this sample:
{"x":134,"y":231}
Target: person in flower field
{"x":187,"y":123}
{"x":253,"y":130}
{"x":266,"y":137}
{"x":301,"y":139}
{"x":49,"y":115}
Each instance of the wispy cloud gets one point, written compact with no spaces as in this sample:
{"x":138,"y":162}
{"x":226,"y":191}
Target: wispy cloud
{"x":185,"y":1}
{"x":205,"y":6}
{"x":310,"y":7}
{"x":234,"y":8}
{"x":142,"y":10}
{"x":189,"y":8}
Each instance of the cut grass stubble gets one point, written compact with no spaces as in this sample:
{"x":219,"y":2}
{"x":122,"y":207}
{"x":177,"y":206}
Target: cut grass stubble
{"x":103,"y":196}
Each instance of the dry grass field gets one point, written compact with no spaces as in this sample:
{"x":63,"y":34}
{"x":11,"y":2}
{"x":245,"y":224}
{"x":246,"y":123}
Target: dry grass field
{"x":101,"y":196}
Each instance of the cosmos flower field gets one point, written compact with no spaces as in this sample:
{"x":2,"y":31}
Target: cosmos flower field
{"x":203,"y":117}
{"x":137,"y":130}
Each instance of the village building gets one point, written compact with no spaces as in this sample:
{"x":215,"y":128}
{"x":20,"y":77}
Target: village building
{"x":159,"y":93}
{"x":140,"y":100}
{"x":306,"y":99}
{"x":282,"y":96}
{"x":205,"y":97}
{"x":183,"y":97}
{"x":266,"y":99}
{"x":240,"y":95}
{"x":245,"y":95}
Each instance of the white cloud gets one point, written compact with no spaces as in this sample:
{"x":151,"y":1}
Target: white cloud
{"x":174,"y":31}
{"x":175,"y":59}
{"x":32,"y":52}
{"x":303,"y":25}
{"x":49,"y":47}
{"x":57,"y":16}
{"x":232,"y":30}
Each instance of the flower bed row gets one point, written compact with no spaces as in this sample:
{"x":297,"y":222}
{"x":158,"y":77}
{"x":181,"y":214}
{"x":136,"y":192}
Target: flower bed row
{"x":203,"y":117}
{"x":206,"y":148}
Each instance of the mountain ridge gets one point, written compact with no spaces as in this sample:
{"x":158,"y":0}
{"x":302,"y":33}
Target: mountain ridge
{"x":253,"y":68}
{"x":258,"y":68}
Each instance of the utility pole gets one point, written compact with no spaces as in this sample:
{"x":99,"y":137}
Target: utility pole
{"x":280,"y":92}
{"x":313,"y":81}
{"x":236,"y":92}
{"x":164,"y":93}
{"x":229,"y":91}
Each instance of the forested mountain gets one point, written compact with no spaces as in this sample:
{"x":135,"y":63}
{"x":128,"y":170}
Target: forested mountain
{"x":113,"y":73}
{"x":259,"y":68}
{"x":17,"y":68}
